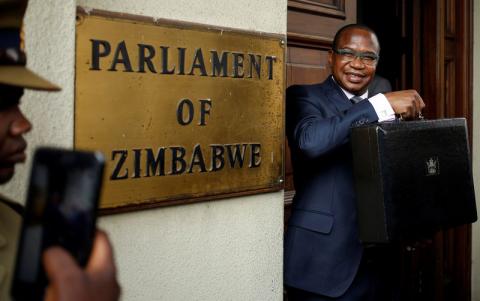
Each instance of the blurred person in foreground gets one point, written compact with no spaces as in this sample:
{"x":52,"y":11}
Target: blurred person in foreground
{"x":67,"y":281}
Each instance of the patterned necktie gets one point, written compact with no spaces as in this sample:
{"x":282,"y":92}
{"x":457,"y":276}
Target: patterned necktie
{"x":356,"y":99}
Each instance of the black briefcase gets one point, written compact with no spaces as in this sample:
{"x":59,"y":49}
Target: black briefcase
{"x":412,"y":178}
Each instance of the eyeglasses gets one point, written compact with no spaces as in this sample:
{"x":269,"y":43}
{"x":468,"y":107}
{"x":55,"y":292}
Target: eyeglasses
{"x":368,"y":58}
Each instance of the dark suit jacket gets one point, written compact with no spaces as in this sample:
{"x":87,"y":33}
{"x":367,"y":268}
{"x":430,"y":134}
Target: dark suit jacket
{"x":379,"y":85}
{"x":322,"y":250}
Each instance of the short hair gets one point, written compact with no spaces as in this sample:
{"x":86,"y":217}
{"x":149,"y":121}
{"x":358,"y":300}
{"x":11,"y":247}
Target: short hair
{"x":350,"y":26}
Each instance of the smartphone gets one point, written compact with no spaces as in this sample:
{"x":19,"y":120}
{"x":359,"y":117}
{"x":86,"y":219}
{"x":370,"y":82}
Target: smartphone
{"x":60,"y":210}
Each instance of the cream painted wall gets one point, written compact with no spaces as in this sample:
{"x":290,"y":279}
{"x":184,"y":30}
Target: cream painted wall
{"x":476,"y":152}
{"x":221,"y":250}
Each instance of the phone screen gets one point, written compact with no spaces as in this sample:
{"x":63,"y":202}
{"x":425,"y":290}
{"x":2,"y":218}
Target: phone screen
{"x":60,"y":210}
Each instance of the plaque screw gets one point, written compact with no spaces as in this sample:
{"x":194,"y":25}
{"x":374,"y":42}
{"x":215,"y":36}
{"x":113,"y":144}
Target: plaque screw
{"x":282,"y":43}
{"x":280,"y":180}
{"x":79,"y":19}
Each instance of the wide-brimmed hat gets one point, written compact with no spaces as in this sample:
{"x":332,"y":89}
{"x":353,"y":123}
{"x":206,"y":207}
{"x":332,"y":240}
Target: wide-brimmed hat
{"x":13,"y":70}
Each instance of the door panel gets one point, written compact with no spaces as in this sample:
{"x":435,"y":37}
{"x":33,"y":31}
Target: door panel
{"x":434,"y":48}
{"x":306,"y":66}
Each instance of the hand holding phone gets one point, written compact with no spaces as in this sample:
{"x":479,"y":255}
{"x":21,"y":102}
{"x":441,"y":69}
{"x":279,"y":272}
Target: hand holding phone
{"x":60,"y":211}
{"x":68,"y":281}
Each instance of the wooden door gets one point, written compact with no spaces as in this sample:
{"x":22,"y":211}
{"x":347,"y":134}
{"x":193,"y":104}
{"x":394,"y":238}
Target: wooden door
{"x":426,"y":45}
{"x":446,"y":84}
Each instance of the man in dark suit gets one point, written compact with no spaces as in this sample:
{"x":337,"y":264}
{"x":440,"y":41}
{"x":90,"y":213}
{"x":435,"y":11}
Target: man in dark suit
{"x":323,"y":255}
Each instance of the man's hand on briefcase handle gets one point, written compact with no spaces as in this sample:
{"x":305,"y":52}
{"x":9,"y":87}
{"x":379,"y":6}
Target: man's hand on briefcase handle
{"x":406,"y":103}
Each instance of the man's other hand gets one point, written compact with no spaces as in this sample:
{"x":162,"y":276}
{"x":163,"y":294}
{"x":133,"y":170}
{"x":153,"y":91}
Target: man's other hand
{"x":406,"y":103}
{"x":68,"y":281}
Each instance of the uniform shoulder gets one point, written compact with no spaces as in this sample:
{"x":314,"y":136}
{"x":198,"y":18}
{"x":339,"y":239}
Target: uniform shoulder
{"x":11,"y":204}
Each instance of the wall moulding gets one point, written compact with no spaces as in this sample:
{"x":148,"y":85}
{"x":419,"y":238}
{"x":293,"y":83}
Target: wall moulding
{"x":331,"y":8}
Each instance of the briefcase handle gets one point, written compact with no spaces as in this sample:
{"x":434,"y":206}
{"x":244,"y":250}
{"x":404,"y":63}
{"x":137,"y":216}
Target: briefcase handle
{"x":420,"y":116}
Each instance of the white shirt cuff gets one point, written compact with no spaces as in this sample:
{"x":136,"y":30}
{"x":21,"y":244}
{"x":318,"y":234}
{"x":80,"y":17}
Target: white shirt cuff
{"x":382,"y":107}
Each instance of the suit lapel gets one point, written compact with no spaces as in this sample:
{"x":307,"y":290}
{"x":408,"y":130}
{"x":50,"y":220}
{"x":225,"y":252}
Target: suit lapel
{"x":336,"y":96}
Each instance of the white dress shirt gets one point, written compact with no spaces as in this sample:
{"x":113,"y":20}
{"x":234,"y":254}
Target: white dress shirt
{"x":380,"y":104}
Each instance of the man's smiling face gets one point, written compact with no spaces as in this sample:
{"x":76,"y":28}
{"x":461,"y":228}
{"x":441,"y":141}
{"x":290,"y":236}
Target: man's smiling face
{"x":354,"y":75}
{"x":13,"y":125}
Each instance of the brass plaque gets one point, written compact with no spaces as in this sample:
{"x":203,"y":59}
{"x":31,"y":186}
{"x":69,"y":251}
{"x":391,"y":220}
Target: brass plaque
{"x":181,"y":112}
